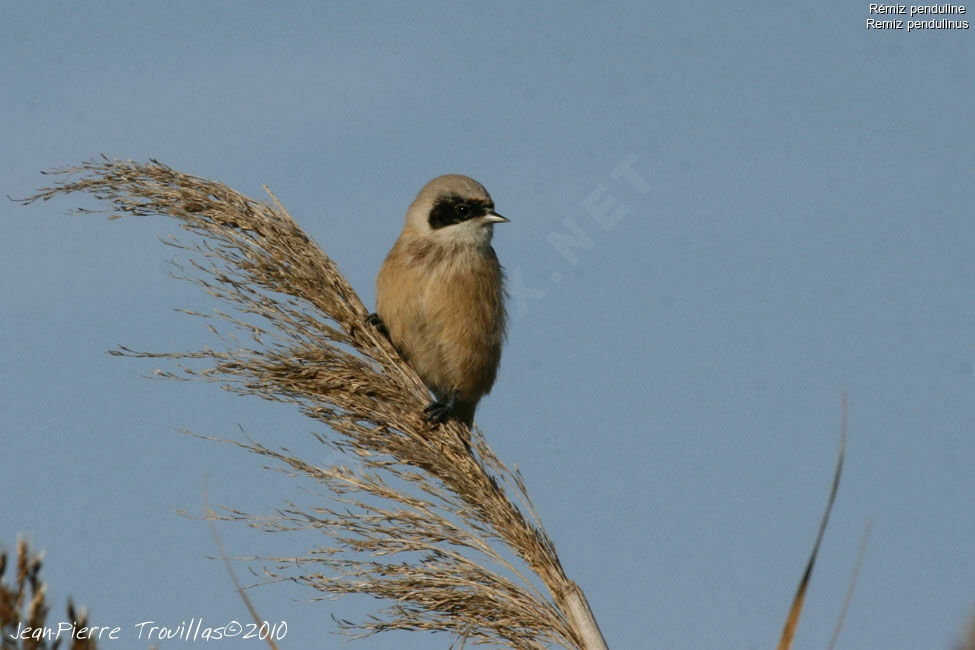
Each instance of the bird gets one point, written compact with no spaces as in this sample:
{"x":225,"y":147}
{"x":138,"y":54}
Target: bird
{"x":440,"y":295}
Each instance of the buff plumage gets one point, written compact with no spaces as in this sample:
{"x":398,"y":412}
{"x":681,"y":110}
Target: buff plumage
{"x":440,"y":295}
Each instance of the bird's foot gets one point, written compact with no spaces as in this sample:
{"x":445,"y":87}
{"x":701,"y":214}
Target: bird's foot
{"x":439,"y":411}
{"x":377,"y":322}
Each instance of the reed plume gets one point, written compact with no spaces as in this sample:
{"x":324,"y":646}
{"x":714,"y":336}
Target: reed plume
{"x":431,"y":520}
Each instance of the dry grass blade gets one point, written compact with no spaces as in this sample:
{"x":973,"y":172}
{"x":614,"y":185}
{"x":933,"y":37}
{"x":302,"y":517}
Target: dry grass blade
{"x":848,"y":598}
{"x":424,"y":523}
{"x":255,"y":617}
{"x":789,"y":630}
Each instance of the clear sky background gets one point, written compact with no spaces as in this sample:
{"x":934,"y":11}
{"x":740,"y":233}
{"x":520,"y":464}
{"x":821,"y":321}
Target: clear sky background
{"x":671,"y":391}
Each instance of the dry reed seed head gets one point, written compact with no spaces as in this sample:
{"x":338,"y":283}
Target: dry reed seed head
{"x":418,"y":490}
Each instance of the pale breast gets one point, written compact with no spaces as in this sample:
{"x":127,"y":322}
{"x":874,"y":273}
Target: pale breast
{"x":445,"y":312}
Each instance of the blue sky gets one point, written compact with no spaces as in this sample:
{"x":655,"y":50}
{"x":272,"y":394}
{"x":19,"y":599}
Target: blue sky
{"x":670,"y":389}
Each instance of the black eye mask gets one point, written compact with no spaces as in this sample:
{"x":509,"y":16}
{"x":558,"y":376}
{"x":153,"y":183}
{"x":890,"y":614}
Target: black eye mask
{"x":453,"y":209}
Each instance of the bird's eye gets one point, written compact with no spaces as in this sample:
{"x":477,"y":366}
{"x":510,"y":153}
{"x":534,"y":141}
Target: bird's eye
{"x":463,"y":209}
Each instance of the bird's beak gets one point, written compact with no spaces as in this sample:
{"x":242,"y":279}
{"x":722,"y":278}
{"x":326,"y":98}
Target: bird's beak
{"x":492,"y":217}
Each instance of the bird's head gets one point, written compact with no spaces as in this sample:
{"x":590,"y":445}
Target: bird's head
{"x":454,"y":209}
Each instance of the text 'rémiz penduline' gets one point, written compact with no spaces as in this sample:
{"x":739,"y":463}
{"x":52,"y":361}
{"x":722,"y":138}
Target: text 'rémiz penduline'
{"x":913,"y":11}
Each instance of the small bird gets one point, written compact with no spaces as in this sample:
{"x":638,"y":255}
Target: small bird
{"x":440,"y":295}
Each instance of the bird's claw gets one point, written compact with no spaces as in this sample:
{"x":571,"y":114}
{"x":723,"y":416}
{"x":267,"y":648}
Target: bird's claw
{"x":437,"y":413}
{"x":377,"y":322}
